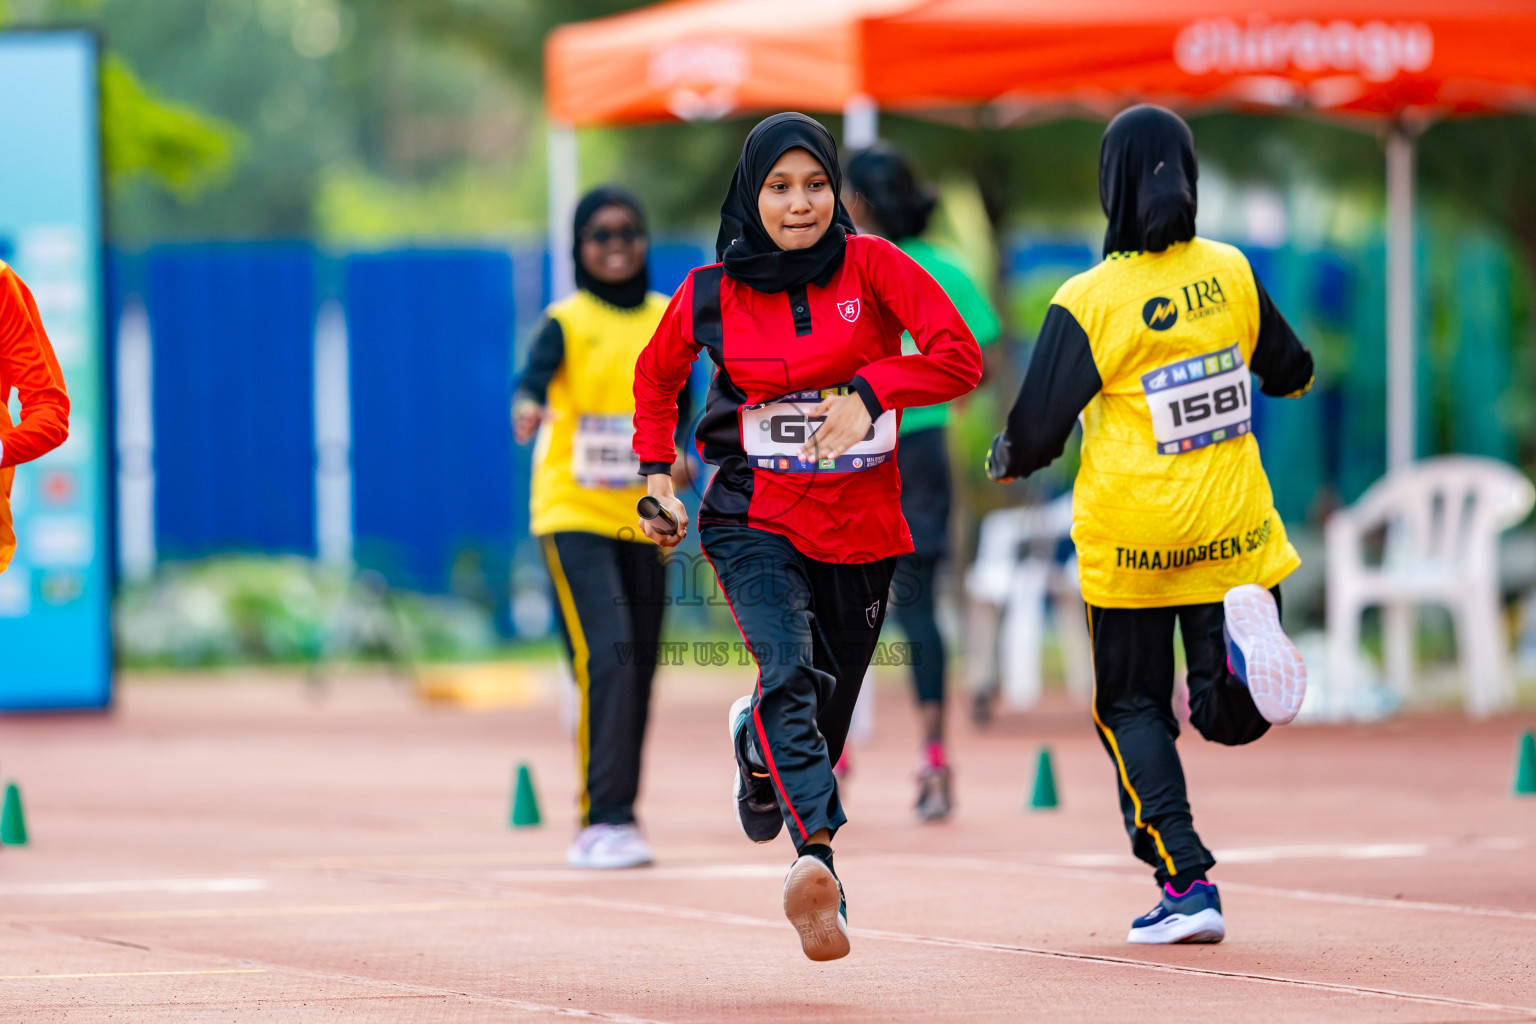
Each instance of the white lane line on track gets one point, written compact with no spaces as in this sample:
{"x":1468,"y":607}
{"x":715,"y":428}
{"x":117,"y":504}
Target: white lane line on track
{"x":1270,"y":979}
{"x":541,"y":859}
{"x":302,"y":910}
{"x":1265,"y":854}
{"x":1304,"y":895}
{"x":171,"y":885}
{"x":279,"y":969}
{"x":667,"y":910}
{"x":524,"y":1005}
{"x":510,"y":1002}
{"x":701,"y":873}
{"x":131,"y":974}
{"x":1308,"y":896}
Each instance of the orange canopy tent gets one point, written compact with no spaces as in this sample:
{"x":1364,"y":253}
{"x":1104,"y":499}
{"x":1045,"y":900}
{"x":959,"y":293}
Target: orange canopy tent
{"x":1407,"y":61}
{"x":706,"y":59}
{"x":699,"y":60}
{"x":1393,"y":58}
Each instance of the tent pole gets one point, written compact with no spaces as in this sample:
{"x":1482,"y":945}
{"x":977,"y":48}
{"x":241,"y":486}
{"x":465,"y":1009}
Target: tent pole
{"x":861,"y":123}
{"x":1402,"y":350}
{"x":564,"y":181}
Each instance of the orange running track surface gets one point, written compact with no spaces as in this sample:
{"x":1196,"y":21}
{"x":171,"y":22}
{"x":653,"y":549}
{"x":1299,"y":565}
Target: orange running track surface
{"x":231,"y":849}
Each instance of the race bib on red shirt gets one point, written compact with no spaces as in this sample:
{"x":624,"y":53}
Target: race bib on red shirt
{"x":773,"y":432}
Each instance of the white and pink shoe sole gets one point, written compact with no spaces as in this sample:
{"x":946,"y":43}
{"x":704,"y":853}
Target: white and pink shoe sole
{"x":1276,"y":674}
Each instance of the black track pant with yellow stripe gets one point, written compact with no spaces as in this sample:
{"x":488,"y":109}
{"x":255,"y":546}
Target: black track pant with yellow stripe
{"x":609,"y":595}
{"x":1133,"y":710}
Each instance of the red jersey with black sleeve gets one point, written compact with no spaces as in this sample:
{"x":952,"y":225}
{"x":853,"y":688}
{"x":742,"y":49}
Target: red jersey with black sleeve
{"x":777,"y":355}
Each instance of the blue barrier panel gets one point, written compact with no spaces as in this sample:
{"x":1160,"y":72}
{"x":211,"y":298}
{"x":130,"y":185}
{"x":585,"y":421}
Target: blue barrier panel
{"x":433,"y":477}
{"x":232,"y":328}
{"x":671,"y":262}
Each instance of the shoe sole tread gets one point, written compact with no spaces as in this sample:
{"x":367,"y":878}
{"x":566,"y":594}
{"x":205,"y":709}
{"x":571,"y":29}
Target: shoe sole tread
{"x":1277,"y":675}
{"x":811,"y":902}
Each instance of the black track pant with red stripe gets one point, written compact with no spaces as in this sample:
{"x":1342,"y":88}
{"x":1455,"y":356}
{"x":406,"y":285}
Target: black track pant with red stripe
{"x":812,"y":627}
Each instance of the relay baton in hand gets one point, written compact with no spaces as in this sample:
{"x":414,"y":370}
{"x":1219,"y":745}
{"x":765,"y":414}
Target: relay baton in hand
{"x":650,"y":510}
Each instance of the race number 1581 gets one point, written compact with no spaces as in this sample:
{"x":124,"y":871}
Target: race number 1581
{"x":1194,"y":408}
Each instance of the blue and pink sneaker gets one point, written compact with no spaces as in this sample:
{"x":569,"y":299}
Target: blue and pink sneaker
{"x":1261,"y":656}
{"x":1193,"y":916}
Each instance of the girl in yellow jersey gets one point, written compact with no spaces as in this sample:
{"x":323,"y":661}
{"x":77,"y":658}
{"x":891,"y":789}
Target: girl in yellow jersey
{"x":577,"y":392}
{"x":1157,"y":350}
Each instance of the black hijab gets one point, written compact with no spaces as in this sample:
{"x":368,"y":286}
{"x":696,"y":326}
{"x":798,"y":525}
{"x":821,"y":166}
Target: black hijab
{"x":624,"y":294}
{"x":743,"y":245}
{"x":1147,"y":174}
{"x":885,"y":179}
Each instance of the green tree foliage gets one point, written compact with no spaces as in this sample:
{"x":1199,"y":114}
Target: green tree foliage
{"x":359,"y":115}
{"x":145,"y":136}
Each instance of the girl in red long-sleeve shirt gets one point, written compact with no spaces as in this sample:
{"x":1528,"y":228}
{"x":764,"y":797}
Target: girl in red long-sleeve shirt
{"x":803,"y":521}
{"x":27,"y":364}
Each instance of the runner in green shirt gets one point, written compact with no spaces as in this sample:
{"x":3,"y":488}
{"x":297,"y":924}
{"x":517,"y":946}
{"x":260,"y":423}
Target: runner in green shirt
{"x":886,"y":199}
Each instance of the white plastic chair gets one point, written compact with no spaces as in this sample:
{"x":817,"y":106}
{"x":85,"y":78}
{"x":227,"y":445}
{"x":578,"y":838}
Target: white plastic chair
{"x":1014,"y":573}
{"x":1442,"y":518}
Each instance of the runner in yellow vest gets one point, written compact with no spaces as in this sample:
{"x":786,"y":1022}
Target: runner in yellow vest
{"x":1158,"y":349}
{"x":577,"y":392}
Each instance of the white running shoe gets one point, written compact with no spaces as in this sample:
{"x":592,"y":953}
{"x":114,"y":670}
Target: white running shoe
{"x":605,"y":847}
{"x":813,"y":902}
{"x":1261,"y":656}
{"x":1193,"y":917}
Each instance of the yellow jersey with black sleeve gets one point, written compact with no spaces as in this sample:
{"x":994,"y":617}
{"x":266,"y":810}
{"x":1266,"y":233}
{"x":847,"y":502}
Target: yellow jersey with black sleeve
{"x":582,"y":370}
{"x":1155,"y":353}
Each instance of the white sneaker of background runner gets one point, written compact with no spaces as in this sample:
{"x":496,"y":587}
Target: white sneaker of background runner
{"x":609,"y":846}
{"x":1261,"y":655}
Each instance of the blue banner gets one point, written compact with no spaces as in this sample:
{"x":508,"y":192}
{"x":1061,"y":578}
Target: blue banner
{"x":55,"y":599}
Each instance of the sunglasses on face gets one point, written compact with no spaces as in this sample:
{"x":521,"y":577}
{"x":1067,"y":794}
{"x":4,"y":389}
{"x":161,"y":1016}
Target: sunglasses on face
{"x":602,"y":236}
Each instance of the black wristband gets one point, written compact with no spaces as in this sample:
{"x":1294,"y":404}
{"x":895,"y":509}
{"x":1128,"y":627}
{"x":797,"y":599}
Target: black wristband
{"x":652,"y":468}
{"x":867,"y":393}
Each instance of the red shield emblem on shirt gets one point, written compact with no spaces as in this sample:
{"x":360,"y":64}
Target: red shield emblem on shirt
{"x":849,"y":309}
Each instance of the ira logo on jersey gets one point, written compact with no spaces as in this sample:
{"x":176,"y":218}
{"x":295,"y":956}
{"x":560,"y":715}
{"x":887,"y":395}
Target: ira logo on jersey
{"x":1160,"y":313}
{"x":849,"y":309}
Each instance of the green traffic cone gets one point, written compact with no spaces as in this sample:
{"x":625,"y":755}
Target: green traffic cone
{"x":1525,"y":766}
{"x":525,"y":803}
{"x":1044,"y":796}
{"x":13,"y":824}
